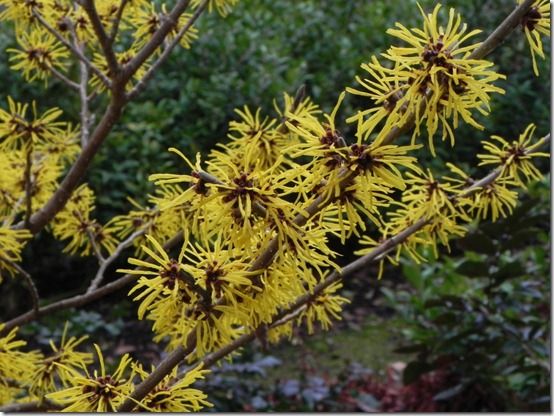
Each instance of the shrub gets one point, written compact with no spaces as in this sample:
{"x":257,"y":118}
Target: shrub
{"x":235,"y":246}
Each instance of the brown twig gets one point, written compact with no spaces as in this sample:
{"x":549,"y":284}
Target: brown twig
{"x":71,"y":84}
{"x":58,"y":200}
{"x":112,"y":113}
{"x":105,"y":262}
{"x":28,"y":282}
{"x":28,"y":182}
{"x":105,"y":43}
{"x":117,"y":21}
{"x":38,"y":406}
{"x":83,"y":96}
{"x":82,"y":299}
{"x":502,"y":31}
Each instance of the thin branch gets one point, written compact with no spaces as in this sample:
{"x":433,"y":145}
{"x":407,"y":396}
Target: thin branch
{"x":38,"y":406}
{"x":95,"y":247}
{"x":104,"y":263}
{"x":180,"y":353}
{"x":492,"y":41}
{"x":71,"y":84}
{"x":83,"y":96}
{"x":73,"y":49}
{"x":84,"y":298}
{"x":28,"y":282}
{"x":502,"y":31}
{"x":58,"y":200}
{"x":103,"y":38}
{"x":167,"y":51}
{"x":28,"y":183}
{"x":111,"y":115}
{"x":117,"y":21}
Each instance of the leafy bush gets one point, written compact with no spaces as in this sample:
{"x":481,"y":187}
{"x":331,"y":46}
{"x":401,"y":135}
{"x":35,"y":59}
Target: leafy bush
{"x":482,"y":314}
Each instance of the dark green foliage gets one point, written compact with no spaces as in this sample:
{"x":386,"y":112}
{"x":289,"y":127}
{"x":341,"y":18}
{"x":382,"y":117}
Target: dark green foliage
{"x":483,"y":313}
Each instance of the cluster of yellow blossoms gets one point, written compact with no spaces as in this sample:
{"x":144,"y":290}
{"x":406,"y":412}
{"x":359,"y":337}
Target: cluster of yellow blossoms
{"x":257,"y":215}
{"x":63,"y":377}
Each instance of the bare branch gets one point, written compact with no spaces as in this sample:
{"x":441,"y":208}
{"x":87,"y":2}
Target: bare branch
{"x":82,"y":299}
{"x":71,"y":84}
{"x":28,"y":183}
{"x":104,"y":263}
{"x":105,"y":42}
{"x":117,"y":21}
{"x":85,"y":112}
{"x":167,"y":51}
{"x":502,"y":31}
{"x":57,"y":201}
{"x":38,"y":406}
{"x":28,"y":282}
{"x":95,"y":247}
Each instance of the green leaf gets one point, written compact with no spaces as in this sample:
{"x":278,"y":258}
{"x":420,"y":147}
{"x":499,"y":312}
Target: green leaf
{"x":472,"y":268}
{"x":478,"y":242}
{"x":414,"y":370}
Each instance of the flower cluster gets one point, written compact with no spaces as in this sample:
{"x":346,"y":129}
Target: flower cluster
{"x":68,"y":378}
{"x":447,"y":205}
{"x":255,"y":218}
{"x":432,"y":79}
{"x":45,"y":27}
{"x":535,"y":23}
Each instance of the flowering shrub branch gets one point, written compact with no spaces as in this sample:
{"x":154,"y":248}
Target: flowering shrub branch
{"x":251,"y":222}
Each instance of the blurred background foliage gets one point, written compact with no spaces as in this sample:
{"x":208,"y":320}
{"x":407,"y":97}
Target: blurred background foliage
{"x":481,"y":312}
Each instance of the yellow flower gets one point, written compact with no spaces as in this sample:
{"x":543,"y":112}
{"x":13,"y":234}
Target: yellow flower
{"x":494,"y":200}
{"x":384,"y":88}
{"x":99,"y":60}
{"x":440,"y":76}
{"x":15,"y":364}
{"x":382,"y":162}
{"x":146,"y":20}
{"x":73,"y":223}
{"x":535,"y":23}
{"x":21,"y":11}
{"x":39,"y":52}
{"x":223,"y":7}
{"x":180,"y":294}
{"x":11,"y":244}
{"x":324,"y":143}
{"x":61,"y":366}
{"x":197,"y":187}
{"x":16,"y":129}
{"x":321,"y":139}
{"x":173,"y":393}
{"x":64,"y":149}
{"x":324,"y":307}
{"x":515,"y":157}
{"x":429,"y":197}
{"x":96,"y":392}
{"x":257,"y":141}
{"x":304,"y":107}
